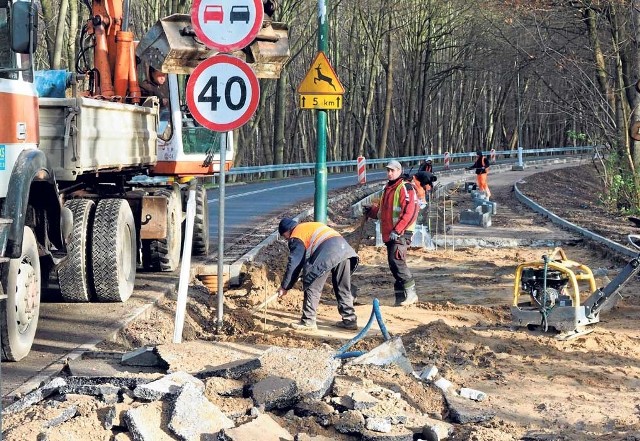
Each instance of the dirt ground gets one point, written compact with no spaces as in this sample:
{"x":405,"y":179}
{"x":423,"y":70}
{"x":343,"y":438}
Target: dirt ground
{"x":540,"y":388}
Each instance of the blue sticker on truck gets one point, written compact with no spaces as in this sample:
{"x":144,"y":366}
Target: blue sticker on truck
{"x":2,"y":151}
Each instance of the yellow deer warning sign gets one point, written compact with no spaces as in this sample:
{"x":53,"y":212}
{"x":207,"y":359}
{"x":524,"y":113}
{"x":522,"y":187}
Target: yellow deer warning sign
{"x":321,"y":78}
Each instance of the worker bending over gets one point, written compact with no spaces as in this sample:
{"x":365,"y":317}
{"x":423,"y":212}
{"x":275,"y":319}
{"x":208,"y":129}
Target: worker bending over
{"x":482,"y":171}
{"x":398,"y":211}
{"x":317,"y":250}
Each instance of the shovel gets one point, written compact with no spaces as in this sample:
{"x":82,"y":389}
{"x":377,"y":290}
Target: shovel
{"x":266,"y":302}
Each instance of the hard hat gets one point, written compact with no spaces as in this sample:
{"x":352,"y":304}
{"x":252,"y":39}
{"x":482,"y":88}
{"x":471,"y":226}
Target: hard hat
{"x":429,"y":160}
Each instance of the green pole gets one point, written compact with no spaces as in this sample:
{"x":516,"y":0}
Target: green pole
{"x":320,"y":197}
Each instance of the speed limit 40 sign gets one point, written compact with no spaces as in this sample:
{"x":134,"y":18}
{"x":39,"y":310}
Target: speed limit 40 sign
{"x":223,"y":93}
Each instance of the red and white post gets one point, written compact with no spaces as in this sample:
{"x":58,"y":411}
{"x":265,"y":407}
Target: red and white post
{"x":493,"y":155}
{"x":447,"y":160}
{"x":362,"y":170}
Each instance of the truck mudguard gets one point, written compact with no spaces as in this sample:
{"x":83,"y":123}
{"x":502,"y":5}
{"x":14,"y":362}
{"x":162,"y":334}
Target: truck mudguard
{"x":31,"y":169}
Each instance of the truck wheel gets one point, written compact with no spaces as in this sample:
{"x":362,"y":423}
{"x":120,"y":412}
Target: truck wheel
{"x":73,"y":272}
{"x":164,"y":254}
{"x":19,"y":312}
{"x":113,"y":251}
{"x":200,"y":246}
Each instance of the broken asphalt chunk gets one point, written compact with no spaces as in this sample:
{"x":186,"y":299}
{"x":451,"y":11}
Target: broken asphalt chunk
{"x":263,"y":428}
{"x":145,"y":356}
{"x":274,"y":393}
{"x":169,"y":385}
{"x":36,"y":396}
{"x":195,"y":418}
{"x":463,"y":411}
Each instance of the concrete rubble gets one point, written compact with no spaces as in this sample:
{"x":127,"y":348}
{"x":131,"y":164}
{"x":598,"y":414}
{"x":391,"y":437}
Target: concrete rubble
{"x":277,"y":393}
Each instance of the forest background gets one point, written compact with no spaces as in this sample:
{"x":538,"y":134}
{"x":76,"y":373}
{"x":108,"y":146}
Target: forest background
{"x":427,"y":76}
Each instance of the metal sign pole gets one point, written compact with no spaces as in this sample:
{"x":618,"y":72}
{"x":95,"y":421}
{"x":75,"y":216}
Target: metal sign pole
{"x":223,"y":161}
{"x":320,"y":197}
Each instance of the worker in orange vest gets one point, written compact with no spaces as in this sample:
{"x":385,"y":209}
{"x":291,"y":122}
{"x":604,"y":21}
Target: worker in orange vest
{"x":317,"y":250}
{"x":398,"y":211}
{"x":482,"y":171}
{"x":426,"y":165}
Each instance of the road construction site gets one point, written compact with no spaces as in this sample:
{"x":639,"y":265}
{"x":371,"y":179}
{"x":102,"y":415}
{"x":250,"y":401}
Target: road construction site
{"x":454,"y":366}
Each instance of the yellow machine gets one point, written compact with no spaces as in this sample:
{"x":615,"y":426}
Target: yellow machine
{"x":551,"y":288}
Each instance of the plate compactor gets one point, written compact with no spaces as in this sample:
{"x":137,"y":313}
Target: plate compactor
{"x":551,"y":291}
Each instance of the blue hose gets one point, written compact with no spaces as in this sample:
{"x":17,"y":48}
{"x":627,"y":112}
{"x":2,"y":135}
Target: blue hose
{"x":341,"y":353}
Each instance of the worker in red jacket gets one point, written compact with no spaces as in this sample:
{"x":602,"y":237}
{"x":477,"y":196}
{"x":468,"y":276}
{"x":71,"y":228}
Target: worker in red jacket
{"x":398,"y":211}
{"x":317,"y":250}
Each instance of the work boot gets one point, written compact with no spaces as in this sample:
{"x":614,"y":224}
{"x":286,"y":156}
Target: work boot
{"x":304,"y":326}
{"x":410,"y":296}
{"x":351,"y":324}
{"x":398,"y":289}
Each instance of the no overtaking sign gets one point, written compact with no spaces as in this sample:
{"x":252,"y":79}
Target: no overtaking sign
{"x":227,"y":25}
{"x":223,"y":93}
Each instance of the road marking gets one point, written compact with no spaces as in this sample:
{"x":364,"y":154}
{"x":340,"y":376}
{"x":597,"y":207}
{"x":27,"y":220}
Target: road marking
{"x":251,"y":193}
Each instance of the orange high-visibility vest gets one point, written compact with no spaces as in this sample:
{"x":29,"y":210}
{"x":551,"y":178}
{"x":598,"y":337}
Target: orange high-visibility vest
{"x":312,"y":234}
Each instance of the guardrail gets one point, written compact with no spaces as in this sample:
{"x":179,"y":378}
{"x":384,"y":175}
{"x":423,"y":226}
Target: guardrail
{"x":407,"y":160}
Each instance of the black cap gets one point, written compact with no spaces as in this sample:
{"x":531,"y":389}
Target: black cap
{"x":286,"y":224}
{"x":479,"y":152}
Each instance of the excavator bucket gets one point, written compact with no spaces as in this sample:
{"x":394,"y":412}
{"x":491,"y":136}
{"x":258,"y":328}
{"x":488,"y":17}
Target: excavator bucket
{"x":171,"y":46}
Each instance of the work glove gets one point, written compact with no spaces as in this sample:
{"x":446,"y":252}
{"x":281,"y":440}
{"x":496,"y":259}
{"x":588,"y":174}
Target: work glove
{"x":394,"y":236}
{"x":281,"y":292}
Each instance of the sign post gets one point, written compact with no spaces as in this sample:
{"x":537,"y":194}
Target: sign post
{"x":223,"y":91}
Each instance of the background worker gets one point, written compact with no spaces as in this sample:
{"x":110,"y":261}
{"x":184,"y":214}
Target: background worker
{"x":156,"y":85}
{"x":423,"y":182}
{"x":317,"y":250}
{"x":398,"y":211}
{"x":482,"y":171}
{"x":426,"y":165}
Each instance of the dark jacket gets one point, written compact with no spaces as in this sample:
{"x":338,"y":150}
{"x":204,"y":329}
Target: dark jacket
{"x":327,"y":255}
{"x":481,"y":165}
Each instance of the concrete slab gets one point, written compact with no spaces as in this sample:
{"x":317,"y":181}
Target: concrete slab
{"x":398,"y":434}
{"x":200,"y":356}
{"x":312,"y":370}
{"x":169,"y":385}
{"x":149,"y":422}
{"x":389,"y":352}
{"x":263,"y":428}
{"x":350,"y":422}
{"x":195,"y":418}
{"x":463,"y":411}
{"x":110,"y":367}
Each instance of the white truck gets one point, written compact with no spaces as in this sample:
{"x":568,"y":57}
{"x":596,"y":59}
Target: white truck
{"x":92,"y":183}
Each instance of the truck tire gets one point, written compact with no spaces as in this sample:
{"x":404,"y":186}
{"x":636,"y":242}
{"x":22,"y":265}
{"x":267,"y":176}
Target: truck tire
{"x":73,"y":272}
{"x":19,"y":312}
{"x":113,"y":251}
{"x":200,"y":245}
{"x":164,"y":254}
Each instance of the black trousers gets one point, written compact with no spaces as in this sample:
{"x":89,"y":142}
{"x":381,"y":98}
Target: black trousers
{"x":397,"y":258}
{"x":341,"y":281}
